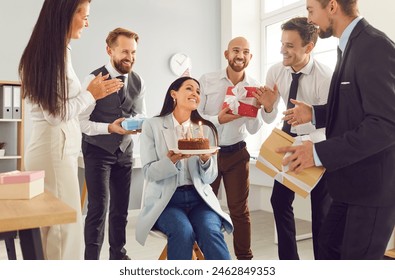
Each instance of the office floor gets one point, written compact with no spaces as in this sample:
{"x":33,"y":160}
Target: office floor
{"x":263,"y":245}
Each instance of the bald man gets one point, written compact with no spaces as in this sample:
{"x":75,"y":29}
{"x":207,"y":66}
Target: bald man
{"x":233,"y":157}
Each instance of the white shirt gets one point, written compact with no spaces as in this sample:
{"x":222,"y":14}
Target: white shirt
{"x":213,"y":87}
{"x":78,"y":101}
{"x":181,"y":131}
{"x":184,"y":177}
{"x":313,"y":89}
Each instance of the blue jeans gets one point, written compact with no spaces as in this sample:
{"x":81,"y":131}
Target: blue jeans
{"x":187,"y":218}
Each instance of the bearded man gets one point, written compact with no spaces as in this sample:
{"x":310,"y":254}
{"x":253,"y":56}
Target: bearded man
{"x":233,"y":157}
{"x":108,"y":148}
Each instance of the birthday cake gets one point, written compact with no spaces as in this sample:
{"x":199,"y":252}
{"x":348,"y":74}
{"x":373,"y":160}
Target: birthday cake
{"x":194,"y":144}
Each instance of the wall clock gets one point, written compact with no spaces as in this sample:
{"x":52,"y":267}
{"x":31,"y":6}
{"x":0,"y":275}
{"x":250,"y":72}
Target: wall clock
{"x":180,"y":63}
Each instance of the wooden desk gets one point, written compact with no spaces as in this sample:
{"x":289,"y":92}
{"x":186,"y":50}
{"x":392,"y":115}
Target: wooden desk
{"x":27,"y":216}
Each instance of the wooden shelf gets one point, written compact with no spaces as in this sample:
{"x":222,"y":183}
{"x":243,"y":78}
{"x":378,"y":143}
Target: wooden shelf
{"x":11,"y":157}
{"x":11,"y":83}
{"x":10,"y":120}
{"x":16,"y":148}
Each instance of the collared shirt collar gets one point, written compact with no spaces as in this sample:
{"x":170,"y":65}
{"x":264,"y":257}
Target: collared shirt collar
{"x":305,"y":70}
{"x":182,"y":131}
{"x":114,"y":73}
{"x":343,"y":40}
{"x":224,"y":75}
{"x":184,"y":124}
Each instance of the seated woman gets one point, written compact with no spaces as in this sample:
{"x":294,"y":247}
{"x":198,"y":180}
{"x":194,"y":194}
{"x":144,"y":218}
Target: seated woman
{"x":178,"y":199}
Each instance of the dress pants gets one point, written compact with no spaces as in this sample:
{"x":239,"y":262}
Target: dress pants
{"x":355,"y":232}
{"x":281,"y":200}
{"x":55,"y":149}
{"x":233,"y":168}
{"x":108,"y":177}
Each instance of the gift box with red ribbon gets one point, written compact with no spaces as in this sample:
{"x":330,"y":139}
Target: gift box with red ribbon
{"x":241,"y":101}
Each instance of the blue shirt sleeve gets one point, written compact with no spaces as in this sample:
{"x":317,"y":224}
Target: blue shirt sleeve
{"x":317,"y":160}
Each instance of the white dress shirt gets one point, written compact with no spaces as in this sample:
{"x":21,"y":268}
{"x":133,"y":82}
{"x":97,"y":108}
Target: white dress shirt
{"x":184,"y":177}
{"x":313,"y":89}
{"x":78,"y":101}
{"x":213,"y":87}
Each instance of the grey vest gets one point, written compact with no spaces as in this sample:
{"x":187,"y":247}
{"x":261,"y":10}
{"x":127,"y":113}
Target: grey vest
{"x":110,"y":108}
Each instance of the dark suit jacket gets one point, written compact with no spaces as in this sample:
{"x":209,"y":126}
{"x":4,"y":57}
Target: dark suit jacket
{"x":359,"y":153}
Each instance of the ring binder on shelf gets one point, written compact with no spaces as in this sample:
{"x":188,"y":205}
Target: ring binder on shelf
{"x":16,"y":102}
{"x":6,"y":102}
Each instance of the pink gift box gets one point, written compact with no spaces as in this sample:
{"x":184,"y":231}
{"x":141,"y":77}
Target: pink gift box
{"x":21,"y":184}
{"x":241,"y":101}
{"x":17,"y":177}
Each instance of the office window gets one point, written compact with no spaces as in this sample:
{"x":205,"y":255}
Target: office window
{"x":273,"y":14}
{"x":273,"y":5}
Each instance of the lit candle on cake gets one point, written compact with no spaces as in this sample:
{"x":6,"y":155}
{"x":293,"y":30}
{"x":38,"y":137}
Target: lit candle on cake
{"x":200,"y":130}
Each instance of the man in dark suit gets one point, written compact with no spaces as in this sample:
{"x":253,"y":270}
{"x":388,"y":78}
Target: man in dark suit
{"x":107,"y":148}
{"x":359,"y":153}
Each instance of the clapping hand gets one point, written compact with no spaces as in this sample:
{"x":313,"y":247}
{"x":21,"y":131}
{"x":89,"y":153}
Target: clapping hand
{"x":100,"y":87}
{"x":266,"y":97}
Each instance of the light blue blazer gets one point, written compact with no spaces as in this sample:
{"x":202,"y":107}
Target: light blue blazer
{"x":161,"y":175}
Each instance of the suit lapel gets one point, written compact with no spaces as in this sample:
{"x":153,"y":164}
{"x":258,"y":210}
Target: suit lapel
{"x":338,"y":74}
{"x":168,"y":133}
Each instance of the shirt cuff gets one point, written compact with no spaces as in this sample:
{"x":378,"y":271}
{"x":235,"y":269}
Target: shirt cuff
{"x":313,"y":122}
{"x":178,"y":165}
{"x":206,"y":164}
{"x":317,"y":160}
{"x":102,"y":128}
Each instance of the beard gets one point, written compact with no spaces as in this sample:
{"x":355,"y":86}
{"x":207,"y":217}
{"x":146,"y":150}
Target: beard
{"x":118,"y":65}
{"x":235,"y":67}
{"x":323,"y":34}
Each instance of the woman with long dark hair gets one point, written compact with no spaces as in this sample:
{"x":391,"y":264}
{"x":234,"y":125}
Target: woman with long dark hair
{"x":178,"y":198}
{"x":54,"y":92}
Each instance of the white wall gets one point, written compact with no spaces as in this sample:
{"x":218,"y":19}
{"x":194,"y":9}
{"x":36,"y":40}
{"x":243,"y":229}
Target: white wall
{"x":379,"y":13}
